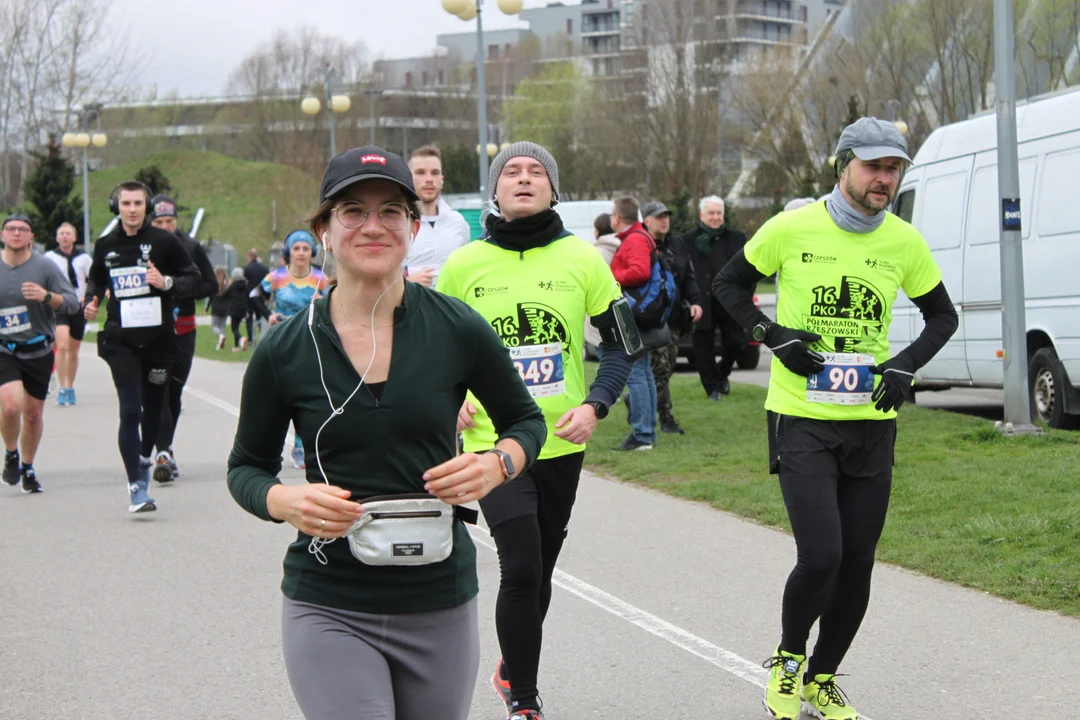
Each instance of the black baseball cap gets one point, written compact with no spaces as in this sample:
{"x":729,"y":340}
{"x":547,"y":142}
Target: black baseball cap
{"x":654,"y":209}
{"x":18,"y":216}
{"x":366,"y":163}
{"x":162,"y":206}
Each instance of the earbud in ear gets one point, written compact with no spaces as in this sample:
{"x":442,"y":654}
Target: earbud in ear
{"x":324,"y":238}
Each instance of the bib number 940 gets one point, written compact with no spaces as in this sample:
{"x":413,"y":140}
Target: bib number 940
{"x":541,"y":367}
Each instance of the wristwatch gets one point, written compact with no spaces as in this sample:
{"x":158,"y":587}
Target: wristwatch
{"x":168,"y":283}
{"x":761,"y":330}
{"x":48,"y":297}
{"x":505,"y":461}
{"x":600,"y":408}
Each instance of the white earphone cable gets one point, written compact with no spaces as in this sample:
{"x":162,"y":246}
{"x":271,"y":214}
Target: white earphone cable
{"x":316,"y":545}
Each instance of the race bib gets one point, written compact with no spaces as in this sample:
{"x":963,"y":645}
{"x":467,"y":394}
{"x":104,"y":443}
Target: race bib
{"x":846,"y":380}
{"x":541,"y":367}
{"x":143,"y":312}
{"x":129,"y":282}
{"x":14,"y":320}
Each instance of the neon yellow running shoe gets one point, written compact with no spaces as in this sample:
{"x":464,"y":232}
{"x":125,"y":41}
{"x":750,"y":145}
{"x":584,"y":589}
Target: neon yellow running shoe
{"x":782,"y":691}
{"x":824,"y":699}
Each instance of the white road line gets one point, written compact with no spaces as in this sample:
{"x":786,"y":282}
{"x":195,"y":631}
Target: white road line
{"x":724,"y":659}
{"x":711,"y":653}
{"x":229,"y":408}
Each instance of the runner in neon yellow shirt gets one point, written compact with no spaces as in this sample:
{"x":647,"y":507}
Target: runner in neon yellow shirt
{"x":535,"y":283}
{"x":833,"y":394}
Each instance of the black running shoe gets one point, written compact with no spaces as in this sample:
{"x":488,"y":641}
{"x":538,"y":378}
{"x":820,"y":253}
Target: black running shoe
{"x":30,"y":482}
{"x":669,"y":425}
{"x":11,"y":473}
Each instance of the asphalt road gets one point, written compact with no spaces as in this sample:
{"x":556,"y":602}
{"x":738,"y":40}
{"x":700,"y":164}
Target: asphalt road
{"x":663,"y":608}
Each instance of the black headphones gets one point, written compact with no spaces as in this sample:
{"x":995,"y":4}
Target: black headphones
{"x":114,"y":196}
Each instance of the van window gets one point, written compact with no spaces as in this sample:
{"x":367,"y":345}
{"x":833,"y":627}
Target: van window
{"x":1058,"y":211}
{"x":984,"y":211}
{"x":905,"y":205}
{"x":942,"y":218}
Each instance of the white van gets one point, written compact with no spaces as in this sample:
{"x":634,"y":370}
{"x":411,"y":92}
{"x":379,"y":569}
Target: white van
{"x":578,"y":216}
{"x":951,"y":195}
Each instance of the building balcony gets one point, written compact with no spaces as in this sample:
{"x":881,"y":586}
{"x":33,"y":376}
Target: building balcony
{"x":602,"y":31}
{"x":763,"y":13}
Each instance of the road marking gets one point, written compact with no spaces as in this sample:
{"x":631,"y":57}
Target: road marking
{"x":711,"y":653}
{"x":724,"y":659}
{"x":230,"y":408}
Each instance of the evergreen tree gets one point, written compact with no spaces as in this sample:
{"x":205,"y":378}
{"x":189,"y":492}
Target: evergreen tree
{"x":49,"y":190}
{"x":153,"y":177}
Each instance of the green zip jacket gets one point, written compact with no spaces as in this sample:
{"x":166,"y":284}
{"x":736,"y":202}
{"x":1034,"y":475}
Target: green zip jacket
{"x":442,"y":348}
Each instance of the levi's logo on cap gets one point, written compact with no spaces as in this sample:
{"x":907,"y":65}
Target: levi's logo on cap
{"x":372,"y":159}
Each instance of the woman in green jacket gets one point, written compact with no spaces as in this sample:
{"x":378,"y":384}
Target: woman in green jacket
{"x":372,"y":375}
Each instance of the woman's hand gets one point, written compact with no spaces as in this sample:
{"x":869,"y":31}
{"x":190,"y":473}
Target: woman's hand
{"x":466,"y":478}
{"x":465,"y":416}
{"x":316,"y":509}
{"x":275,"y":318}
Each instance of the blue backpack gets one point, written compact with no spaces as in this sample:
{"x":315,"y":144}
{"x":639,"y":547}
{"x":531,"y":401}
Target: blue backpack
{"x":652,"y":302}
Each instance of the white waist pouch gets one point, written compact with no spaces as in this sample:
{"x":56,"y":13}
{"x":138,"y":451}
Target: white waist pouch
{"x":413,"y":529}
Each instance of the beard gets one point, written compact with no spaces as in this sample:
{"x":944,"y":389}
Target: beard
{"x":863,"y":199}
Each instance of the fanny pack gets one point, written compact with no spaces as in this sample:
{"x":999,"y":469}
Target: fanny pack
{"x":414,"y":529}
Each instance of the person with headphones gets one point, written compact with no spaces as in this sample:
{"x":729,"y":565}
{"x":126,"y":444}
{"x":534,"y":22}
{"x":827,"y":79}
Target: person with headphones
{"x":535,"y":282}
{"x":290,"y":289}
{"x":32,"y":291}
{"x":383,"y":625}
{"x":163,"y":210}
{"x":834,"y":389}
{"x":140,"y":271}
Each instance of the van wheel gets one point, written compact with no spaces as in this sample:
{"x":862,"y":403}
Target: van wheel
{"x":1047,"y":380}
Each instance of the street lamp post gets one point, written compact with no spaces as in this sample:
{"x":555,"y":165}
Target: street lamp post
{"x":334,"y":104}
{"x":84,"y":140}
{"x":467,"y":10}
{"x":1013,"y":320}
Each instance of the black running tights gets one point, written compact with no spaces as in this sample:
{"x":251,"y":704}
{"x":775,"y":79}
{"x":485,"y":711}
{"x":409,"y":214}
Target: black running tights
{"x":178,"y":376}
{"x":140,"y":388}
{"x":837,"y":522}
{"x":528,"y":547}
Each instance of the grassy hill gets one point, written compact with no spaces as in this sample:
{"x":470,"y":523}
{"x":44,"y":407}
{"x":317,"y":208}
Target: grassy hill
{"x":237,"y":195}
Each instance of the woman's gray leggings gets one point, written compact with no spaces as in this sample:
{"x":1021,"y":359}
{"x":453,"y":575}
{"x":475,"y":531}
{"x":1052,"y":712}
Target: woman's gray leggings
{"x":362,"y":666}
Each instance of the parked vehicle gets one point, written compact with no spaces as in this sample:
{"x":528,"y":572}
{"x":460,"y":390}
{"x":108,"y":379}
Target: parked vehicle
{"x":578,"y":215}
{"x":951,"y":195}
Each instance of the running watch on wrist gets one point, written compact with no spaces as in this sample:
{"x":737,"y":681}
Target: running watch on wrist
{"x":761,"y":330}
{"x":600,"y":408}
{"x":48,"y":297}
{"x":168,"y":282}
{"x":505,"y":461}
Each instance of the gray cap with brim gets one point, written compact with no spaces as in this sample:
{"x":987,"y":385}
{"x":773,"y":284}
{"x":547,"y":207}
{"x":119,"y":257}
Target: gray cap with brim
{"x":872,"y":139}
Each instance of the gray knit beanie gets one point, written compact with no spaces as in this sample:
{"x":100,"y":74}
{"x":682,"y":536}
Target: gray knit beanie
{"x":524,"y":149}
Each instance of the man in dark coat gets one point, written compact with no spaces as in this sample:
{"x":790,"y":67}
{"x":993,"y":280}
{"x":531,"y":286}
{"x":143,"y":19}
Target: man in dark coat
{"x":254,"y":273}
{"x":710,"y":246}
{"x":686,"y":311}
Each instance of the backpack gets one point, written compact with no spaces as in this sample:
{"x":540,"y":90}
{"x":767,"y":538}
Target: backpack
{"x":652,"y":302}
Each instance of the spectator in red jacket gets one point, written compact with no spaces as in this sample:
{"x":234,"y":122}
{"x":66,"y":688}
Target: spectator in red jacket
{"x":631,"y":267}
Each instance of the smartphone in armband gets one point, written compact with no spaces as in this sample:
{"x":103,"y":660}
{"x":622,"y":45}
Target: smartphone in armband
{"x":627,"y":327}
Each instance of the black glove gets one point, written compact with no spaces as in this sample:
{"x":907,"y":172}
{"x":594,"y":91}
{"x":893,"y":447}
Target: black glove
{"x":790,"y":347}
{"x":897,"y":375}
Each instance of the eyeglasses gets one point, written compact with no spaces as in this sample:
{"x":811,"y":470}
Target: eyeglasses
{"x":16,"y":229}
{"x":392,"y":216}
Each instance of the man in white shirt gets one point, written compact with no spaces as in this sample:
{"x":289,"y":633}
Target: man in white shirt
{"x":442,"y":230}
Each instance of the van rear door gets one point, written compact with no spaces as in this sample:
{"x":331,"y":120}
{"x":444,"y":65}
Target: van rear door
{"x":940,"y":219}
{"x":980,"y":318}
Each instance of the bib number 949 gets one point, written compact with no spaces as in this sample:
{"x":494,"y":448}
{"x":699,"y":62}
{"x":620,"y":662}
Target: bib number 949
{"x":541,"y":367}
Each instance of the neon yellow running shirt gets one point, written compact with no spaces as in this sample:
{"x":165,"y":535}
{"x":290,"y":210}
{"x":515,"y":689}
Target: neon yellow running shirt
{"x":537,"y":302}
{"x":842,"y":286}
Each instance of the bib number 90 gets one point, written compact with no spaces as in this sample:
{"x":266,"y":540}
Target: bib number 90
{"x":843,"y":378}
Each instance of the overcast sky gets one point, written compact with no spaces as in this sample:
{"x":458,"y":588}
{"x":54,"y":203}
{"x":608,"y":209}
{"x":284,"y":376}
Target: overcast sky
{"x":191,"y":46}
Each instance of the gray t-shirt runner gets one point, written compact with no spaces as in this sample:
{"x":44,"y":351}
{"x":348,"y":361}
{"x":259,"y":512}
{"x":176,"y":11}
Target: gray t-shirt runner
{"x":22,"y":321}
